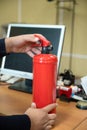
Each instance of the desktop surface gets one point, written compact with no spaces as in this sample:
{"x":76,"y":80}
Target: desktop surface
{"x":68,"y":116}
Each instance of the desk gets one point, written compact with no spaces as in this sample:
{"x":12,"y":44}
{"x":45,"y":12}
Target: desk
{"x":14,"y":102}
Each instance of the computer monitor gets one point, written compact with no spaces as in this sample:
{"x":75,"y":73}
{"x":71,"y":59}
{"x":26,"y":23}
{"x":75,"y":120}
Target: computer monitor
{"x":20,"y":65}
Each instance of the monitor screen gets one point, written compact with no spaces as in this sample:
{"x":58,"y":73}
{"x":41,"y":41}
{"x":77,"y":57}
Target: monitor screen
{"x":20,"y":65}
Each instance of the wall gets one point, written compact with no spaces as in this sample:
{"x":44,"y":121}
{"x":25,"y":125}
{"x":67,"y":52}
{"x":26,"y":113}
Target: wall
{"x":43,"y":12}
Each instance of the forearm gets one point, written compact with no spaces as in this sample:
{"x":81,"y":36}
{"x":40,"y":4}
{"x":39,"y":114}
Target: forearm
{"x":15,"y":122}
{"x":2,"y":47}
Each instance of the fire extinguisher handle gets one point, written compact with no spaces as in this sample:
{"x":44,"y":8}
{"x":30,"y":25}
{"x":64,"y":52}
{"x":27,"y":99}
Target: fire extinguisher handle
{"x":44,"y":42}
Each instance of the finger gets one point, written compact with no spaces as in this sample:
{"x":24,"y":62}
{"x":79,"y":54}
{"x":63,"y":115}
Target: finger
{"x":36,"y":40}
{"x":36,"y":51}
{"x":30,"y":53}
{"x":33,"y":105}
{"x":48,"y":127}
{"x":31,"y":38}
{"x":50,"y":107}
{"x":39,"y":48}
{"x":52,"y":122}
{"x":39,"y":36}
{"x":52,"y":116}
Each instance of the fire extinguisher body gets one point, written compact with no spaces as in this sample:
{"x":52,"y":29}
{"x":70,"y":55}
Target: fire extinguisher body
{"x":44,"y":79}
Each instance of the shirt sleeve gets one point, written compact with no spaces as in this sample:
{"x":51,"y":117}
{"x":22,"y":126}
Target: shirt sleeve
{"x":15,"y":122}
{"x":2,"y":48}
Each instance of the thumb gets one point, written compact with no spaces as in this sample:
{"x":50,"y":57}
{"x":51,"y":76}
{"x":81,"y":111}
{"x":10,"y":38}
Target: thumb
{"x":33,"y":105}
{"x":50,"y":107}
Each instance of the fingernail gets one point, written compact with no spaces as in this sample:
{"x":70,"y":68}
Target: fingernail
{"x":36,"y":38}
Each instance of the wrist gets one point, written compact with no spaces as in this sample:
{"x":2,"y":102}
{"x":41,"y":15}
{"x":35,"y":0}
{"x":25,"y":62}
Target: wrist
{"x":8,"y":45}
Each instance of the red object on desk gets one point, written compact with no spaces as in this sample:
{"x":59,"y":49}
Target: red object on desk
{"x":65,"y":91}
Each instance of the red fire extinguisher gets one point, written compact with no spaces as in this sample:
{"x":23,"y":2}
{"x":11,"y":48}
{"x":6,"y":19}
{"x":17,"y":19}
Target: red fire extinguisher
{"x":44,"y":76}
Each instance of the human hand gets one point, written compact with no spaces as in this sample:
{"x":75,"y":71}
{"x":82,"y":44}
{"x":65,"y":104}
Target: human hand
{"x":27,"y":43}
{"x":40,"y":119}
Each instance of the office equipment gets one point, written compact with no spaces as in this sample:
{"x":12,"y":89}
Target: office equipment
{"x":5,"y":77}
{"x":84,"y":83}
{"x":81,"y":95}
{"x":20,"y":65}
{"x":13,"y":80}
{"x":82,"y":105}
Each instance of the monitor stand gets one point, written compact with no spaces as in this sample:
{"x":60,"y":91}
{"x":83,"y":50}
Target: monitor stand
{"x":23,"y":86}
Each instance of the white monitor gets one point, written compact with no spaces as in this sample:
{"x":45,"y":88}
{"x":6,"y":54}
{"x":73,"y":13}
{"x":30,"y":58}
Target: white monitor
{"x":20,"y":65}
